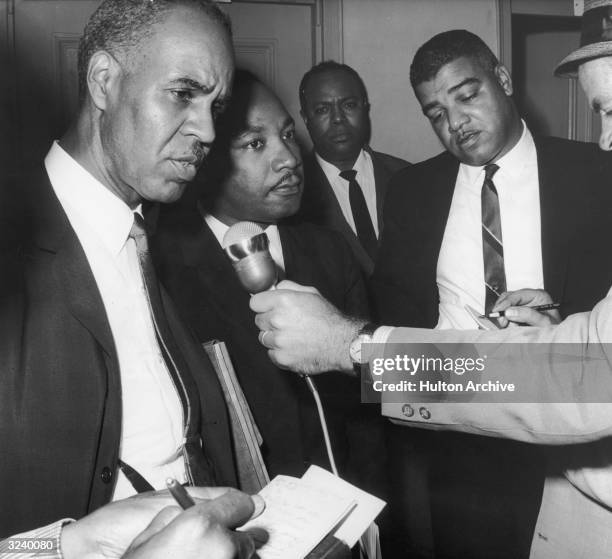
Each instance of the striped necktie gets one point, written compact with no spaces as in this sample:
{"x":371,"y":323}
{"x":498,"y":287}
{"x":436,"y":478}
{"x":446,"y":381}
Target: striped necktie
{"x":492,"y":244}
{"x":199,"y":469}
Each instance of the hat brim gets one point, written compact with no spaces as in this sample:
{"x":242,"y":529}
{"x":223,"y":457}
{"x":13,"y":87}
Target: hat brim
{"x":568,"y":67}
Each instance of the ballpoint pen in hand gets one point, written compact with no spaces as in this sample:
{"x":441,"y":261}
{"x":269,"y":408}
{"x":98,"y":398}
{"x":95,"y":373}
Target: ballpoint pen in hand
{"x":179,"y":493}
{"x":546,"y":307}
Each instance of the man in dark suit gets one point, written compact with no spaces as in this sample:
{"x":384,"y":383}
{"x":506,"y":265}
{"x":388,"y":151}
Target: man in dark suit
{"x":346,"y":182}
{"x":254,"y":173}
{"x":548,"y":197}
{"x":104,"y":392}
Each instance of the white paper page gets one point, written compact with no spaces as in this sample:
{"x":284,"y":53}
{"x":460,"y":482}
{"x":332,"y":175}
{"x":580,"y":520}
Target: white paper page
{"x":297,"y":517}
{"x":368,"y":506}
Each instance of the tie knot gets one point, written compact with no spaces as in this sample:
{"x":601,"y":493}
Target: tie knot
{"x":349,"y":175}
{"x":139,"y":229}
{"x":490,"y":170}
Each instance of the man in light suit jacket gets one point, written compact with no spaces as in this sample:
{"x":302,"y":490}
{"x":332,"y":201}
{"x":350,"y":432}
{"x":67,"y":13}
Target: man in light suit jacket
{"x":335,"y":108}
{"x":575,"y":517}
{"x":104,"y":393}
{"x":552,"y":202}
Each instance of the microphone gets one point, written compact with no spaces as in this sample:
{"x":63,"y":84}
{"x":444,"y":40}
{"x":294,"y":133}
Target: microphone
{"x":248,"y":248}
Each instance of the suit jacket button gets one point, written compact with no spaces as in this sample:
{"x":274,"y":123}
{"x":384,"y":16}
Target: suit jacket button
{"x":407,"y":410}
{"x":425,"y":413}
{"x":106,"y":475}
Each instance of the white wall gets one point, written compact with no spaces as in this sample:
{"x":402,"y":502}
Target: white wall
{"x":380,"y":39}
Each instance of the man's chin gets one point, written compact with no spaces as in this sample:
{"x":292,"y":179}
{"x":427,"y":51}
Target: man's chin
{"x":338,"y":152}
{"x":171,"y":192}
{"x":473,"y":158}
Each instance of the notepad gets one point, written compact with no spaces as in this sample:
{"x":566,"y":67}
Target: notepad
{"x":299,"y":513}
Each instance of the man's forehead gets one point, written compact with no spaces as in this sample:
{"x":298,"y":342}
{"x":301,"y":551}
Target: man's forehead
{"x":450,"y":78}
{"x":187,"y":49}
{"x":266,"y":115}
{"x":596,"y":79}
{"x":329,"y":82}
{"x":457,"y":71}
{"x":185,"y":28}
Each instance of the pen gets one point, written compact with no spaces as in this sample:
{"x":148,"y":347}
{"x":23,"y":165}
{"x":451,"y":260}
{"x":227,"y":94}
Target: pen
{"x":546,"y":307}
{"x":179,"y":493}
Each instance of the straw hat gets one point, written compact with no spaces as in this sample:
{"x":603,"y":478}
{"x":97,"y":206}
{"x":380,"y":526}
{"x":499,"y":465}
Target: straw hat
{"x":595,"y":38}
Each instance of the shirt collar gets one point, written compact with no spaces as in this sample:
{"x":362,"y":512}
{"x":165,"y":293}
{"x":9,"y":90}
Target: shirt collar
{"x":219,"y":228}
{"x":333,"y":171}
{"x":109,"y":217}
{"x":511,"y":163}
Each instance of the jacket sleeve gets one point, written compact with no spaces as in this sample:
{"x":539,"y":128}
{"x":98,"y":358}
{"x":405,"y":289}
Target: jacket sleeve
{"x":565,"y":371}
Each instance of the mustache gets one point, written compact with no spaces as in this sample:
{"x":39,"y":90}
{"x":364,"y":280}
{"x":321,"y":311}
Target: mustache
{"x":197,"y":155}
{"x":287,"y":177}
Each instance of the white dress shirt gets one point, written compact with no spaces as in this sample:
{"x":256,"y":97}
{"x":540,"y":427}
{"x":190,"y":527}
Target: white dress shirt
{"x":219,"y":230}
{"x":460,"y":271}
{"x":340,"y":186}
{"x":152,"y":428}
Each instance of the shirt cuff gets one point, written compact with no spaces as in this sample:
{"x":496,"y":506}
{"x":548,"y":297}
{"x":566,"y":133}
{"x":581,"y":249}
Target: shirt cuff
{"x":381,"y":334}
{"x":41,"y":543}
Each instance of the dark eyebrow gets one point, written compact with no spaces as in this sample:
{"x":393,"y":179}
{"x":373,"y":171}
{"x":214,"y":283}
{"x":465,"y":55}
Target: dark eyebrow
{"x":467,"y":81}
{"x":249,"y":130}
{"x":194,"y":84}
{"x":258,"y":129}
{"x":429,"y":106}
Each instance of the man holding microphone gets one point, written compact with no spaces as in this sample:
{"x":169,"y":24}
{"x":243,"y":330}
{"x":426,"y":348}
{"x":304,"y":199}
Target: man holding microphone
{"x":307,"y":335}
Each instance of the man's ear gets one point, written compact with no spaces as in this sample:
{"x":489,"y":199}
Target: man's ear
{"x":504,"y":79}
{"x":103,"y":74}
{"x":304,"y":117}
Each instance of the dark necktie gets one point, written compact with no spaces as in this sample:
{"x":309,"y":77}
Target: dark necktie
{"x":361,"y":215}
{"x":492,"y":244}
{"x":199,"y":471}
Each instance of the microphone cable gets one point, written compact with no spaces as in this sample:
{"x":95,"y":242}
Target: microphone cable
{"x":317,"y":399}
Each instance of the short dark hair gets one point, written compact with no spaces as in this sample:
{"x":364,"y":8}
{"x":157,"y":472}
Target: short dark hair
{"x":119,"y":25}
{"x":230,"y":123}
{"x":329,"y":66}
{"x":447,"y":47}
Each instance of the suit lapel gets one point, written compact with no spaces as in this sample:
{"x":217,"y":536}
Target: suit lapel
{"x":203,"y":252}
{"x":298,"y":265}
{"x":70,"y":267}
{"x":332,"y":214}
{"x":556,"y":219}
{"x":442,"y":190}
{"x":381,"y":181}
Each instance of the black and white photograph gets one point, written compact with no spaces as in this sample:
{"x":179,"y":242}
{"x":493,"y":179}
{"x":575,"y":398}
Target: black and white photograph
{"x":306,"y":279}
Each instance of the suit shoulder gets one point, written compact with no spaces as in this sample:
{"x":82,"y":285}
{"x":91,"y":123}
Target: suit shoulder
{"x":571,"y":157}
{"x":422,"y":173}
{"x":391,"y":162}
{"x":322,"y":245}
{"x":569,"y":148}
{"x":314,"y":234}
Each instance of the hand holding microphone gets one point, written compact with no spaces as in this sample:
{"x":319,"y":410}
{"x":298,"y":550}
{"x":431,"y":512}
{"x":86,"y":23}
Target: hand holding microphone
{"x":248,"y":247}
